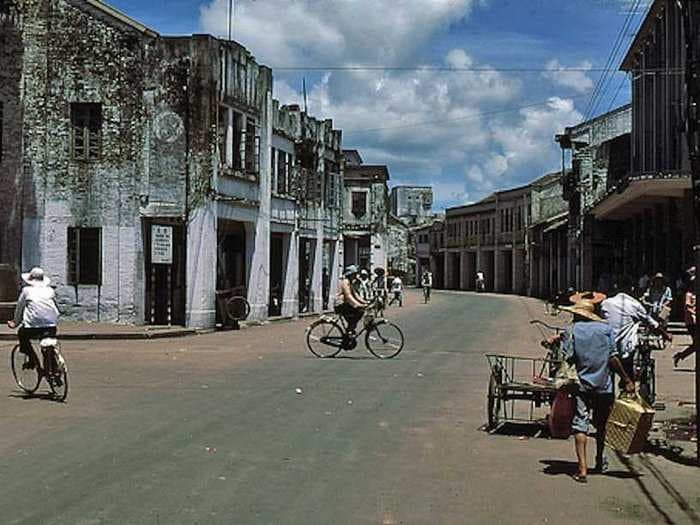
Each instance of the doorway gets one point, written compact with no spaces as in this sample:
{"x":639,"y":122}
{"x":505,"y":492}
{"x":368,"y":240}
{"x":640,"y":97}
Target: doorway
{"x":277,"y":274}
{"x":165,"y":275}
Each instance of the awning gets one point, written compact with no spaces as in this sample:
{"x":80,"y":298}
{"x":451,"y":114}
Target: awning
{"x":640,"y":194}
{"x":555,"y":226}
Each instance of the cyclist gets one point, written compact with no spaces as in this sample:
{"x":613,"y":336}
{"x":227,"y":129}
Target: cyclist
{"x":36,"y":314}
{"x":349,"y":305}
{"x":427,"y":284}
{"x":379,"y":288}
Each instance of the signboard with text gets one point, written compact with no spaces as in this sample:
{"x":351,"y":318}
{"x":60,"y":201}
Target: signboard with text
{"x":161,"y":244}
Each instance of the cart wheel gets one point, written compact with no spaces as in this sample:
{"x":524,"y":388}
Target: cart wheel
{"x":495,"y":405}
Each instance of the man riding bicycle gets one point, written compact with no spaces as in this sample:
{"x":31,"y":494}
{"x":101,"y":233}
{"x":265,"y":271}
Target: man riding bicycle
{"x":348,"y":304}
{"x":36,"y":314}
{"x":427,"y":284}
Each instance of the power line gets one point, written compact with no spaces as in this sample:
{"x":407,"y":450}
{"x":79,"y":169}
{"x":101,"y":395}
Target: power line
{"x":458,"y":119}
{"x":604,"y":80}
{"x":617,"y":92}
{"x":677,"y":70}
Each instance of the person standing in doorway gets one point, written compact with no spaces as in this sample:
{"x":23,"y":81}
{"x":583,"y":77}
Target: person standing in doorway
{"x":397,"y":290}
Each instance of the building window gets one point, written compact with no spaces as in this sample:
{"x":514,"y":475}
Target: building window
{"x":86,"y":124}
{"x":359,"y":203}
{"x":84,"y":256}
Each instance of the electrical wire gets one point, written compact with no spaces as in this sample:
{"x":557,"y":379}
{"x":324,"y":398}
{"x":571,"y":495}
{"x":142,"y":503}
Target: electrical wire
{"x":467,"y":69}
{"x":458,"y":119}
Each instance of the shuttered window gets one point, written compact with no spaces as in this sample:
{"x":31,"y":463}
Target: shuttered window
{"x":84,"y":256}
{"x":86,"y":131}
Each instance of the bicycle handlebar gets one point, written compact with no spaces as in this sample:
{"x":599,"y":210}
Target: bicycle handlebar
{"x":557,"y":329}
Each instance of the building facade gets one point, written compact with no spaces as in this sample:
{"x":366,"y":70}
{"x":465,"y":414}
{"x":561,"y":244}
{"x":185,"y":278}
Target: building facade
{"x":600,"y":156}
{"x":145,"y":166}
{"x":412,"y":204}
{"x":365,"y":213}
{"x":489,"y":236}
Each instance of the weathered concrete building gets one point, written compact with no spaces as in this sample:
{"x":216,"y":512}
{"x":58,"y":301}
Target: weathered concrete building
{"x":144,"y":168}
{"x":412,"y":204}
{"x":307,"y":189}
{"x":647,"y":213}
{"x":600,"y":156}
{"x":400,"y":256}
{"x":488,"y":236}
{"x":421,"y":238}
{"x":366,"y":212}
{"x":547,"y":247}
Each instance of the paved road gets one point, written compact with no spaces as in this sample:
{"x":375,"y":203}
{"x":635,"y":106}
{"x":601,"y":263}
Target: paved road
{"x":210,"y":430}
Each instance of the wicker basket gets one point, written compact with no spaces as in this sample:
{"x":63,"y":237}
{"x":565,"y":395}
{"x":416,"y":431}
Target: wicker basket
{"x":629,"y":424}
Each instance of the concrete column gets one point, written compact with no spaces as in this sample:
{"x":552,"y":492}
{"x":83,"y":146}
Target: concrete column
{"x":463,"y":270}
{"x":519,"y":271}
{"x":317,"y":270}
{"x":447,"y":274}
{"x":200,"y":308}
{"x":497,"y":263}
{"x":290,"y":300}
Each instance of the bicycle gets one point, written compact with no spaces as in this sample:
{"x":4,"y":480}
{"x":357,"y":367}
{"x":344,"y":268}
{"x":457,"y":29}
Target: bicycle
{"x":28,"y":370}
{"x":645,"y":365}
{"x":327,"y":336}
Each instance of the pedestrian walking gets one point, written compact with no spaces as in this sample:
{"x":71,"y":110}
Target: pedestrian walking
{"x":690,"y":317}
{"x":380,"y":289}
{"x":589,"y":343}
{"x":397,"y":291}
{"x":480,"y":281}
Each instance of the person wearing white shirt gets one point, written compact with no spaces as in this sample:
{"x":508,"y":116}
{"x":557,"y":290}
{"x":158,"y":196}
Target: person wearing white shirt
{"x":397,"y":290}
{"x":625,"y":314}
{"x":36,"y":314}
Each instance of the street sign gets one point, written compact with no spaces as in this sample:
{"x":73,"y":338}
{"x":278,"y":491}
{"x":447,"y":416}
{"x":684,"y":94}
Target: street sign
{"x":161,"y":244}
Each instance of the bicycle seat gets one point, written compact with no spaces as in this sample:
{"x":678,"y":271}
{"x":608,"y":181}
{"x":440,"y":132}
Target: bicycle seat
{"x":48,"y":342}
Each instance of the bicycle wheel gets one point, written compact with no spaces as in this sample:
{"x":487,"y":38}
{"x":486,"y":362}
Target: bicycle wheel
{"x":384,"y":339}
{"x":495,"y":406}
{"x":647,"y":382}
{"x":238,"y":308}
{"x":324,"y":338}
{"x":58,"y":377}
{"x":26,"y":371}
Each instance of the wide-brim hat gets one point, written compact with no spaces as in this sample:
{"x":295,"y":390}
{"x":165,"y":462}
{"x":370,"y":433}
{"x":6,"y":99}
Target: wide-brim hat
{"x":593,"y":297}
{"x":658,"y":276}
{"x":36,"y":277}
{"x":351,"y":270}
{"x":583,"y":308}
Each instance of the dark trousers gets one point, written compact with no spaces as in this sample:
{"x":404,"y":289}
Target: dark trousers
{"x":27,"y":334}
{"x":351,"y":315}
{"x":693,"y":345}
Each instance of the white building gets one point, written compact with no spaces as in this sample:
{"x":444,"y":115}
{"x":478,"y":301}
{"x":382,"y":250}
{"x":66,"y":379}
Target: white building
{"x":412,"y":204}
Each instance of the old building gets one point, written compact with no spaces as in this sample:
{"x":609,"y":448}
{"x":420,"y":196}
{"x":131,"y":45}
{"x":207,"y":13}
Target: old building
{"x":307,"y":189}
{"x":488,"y":236}
{"x":647,"y":213}
{"x":421,"y":239}
{"x":600,"y":153}
{"x":400,"y":255}
{"x":145,"y":165}
{"x":547,"y":248}
{"x":365,"y":213}
{"x":412,"y":204}
{"x":436,"y":241}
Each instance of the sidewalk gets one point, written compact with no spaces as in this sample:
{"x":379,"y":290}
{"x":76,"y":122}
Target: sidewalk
{"x":84,"y":330}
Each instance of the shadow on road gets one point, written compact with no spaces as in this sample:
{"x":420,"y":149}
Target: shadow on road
{"x":558,"y":467}
{"x":41,"y":397}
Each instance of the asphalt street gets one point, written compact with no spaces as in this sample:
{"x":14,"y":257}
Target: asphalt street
{"x":249,"y":427}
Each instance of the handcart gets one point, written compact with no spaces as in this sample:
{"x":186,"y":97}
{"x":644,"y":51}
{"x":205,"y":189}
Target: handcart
{"x":526,"y":380}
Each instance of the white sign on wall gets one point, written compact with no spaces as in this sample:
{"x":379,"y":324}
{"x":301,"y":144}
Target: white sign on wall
{"x":161,"y":244}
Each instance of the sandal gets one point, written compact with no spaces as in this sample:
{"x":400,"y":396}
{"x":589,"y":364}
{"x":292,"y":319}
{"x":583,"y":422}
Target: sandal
{"x":579,"y":478}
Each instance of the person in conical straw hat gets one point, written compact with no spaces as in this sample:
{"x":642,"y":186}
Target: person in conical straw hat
{"x":590,"y":346}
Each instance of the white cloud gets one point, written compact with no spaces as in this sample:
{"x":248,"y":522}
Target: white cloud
{"x":290,"y":32}
{"x":576,"y":80}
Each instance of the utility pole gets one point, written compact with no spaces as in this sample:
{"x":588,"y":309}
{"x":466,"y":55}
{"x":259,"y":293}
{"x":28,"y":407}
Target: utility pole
{"x":691,"y":18}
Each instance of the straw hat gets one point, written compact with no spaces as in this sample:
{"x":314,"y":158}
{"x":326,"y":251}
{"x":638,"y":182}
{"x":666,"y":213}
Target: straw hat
{"x":659,"y":276}
{"x":36,"y":277}
{"x":592,"y":297}
{"x":583,"y":308}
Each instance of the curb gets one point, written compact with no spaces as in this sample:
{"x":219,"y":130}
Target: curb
{"x":86,"y":336}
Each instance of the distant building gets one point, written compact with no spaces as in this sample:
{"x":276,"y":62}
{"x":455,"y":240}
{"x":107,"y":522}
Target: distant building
{"x":365,"y":213}
{"x":412,"y":204}
{"x":421,"y":237}
{"x":400,"y":257}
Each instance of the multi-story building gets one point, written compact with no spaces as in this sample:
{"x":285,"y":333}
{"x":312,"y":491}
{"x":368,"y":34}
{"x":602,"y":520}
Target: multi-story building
{"x":412,"y":204}
{"x":647,"y":214}
{"x":144,"y":165}
{"x":365,"y":213}
{"x":400,"y":256}
{"x":547,"y":248}
{"x":306,"y":168}
{"x":436,"y":241}
{"x":600,"y":153}
{"x":488,"y":236}
{"x":421,"y":237}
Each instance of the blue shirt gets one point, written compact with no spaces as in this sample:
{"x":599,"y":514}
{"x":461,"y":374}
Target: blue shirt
{"x":591,"y":345}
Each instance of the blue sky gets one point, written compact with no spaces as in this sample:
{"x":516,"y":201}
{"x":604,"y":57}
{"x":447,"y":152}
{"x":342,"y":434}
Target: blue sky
{"x":464,"y":132}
